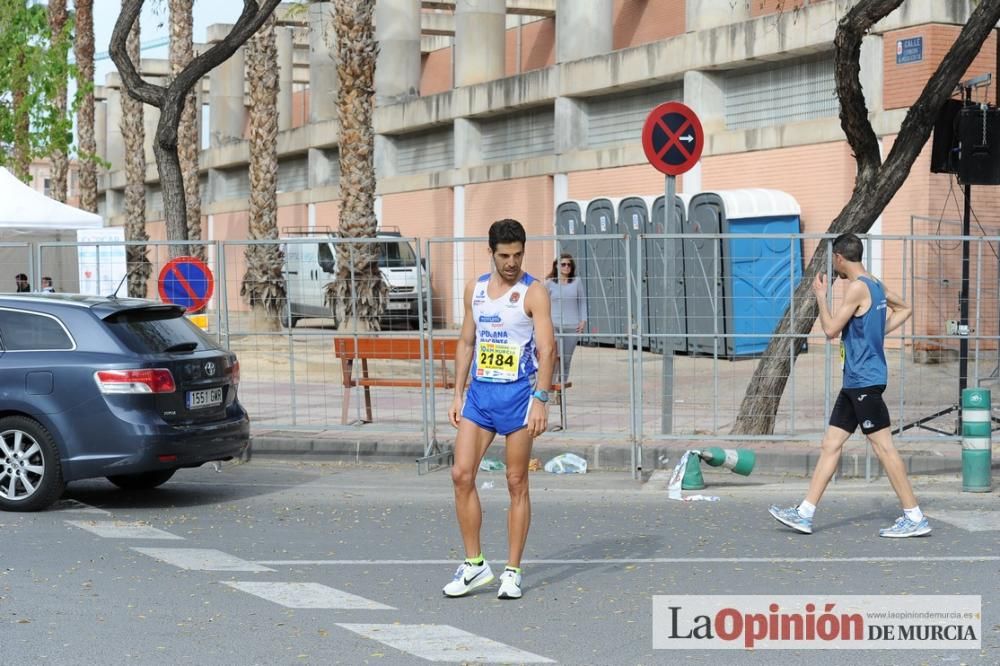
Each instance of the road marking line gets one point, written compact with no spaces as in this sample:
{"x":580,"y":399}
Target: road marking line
{"x":77,"y":507}
{"x":111,"y":529}
{"x":441,"y":642}
{"x":201,"y":559}
{"x":970,"y":521}
{"x":656,"y":560}
{"x":307,"y":595}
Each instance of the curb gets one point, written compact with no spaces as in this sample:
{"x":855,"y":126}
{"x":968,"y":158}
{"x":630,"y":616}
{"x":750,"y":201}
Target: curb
{"x":600,"y":457}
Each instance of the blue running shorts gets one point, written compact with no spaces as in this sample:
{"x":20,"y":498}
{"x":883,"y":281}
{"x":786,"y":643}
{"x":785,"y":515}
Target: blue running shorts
{"x":498,"y":407}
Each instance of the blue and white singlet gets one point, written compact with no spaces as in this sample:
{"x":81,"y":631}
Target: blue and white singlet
{"x":505,"y":335}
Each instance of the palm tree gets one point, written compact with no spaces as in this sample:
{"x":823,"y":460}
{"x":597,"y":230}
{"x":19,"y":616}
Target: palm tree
{"x":188,"y":141}
{"x":263,"y":283}
{"x":359,"y":294}
{"x":133,"y":135}
{"x":60,"y":163}
{"x":84,"y":51}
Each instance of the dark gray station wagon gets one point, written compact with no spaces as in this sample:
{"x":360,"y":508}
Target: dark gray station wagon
{"x":126,"y":389}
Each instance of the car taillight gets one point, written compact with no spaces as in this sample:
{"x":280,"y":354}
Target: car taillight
{"x":236,"y":373}
{"x":151,"y":380}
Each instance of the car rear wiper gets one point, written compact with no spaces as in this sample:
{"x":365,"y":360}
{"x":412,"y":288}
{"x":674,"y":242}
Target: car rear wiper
{"x":182,"y":347}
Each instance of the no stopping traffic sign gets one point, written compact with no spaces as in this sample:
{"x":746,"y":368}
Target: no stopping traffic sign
{"x":672,"y":138}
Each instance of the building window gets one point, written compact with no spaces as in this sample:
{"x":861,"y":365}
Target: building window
{"x":618,"y":118}
{"x":518,"y":136}
{"x":418,"y":152}
{"x":779,"y":93}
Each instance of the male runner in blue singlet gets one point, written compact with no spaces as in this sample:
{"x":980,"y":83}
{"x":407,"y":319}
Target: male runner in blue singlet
{"x":862,"y":324}
{"x":507,"y":350}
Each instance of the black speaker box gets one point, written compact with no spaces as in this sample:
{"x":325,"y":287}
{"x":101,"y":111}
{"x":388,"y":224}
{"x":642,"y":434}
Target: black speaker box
{"x":979,"y":145}
{"x":944,"y":149}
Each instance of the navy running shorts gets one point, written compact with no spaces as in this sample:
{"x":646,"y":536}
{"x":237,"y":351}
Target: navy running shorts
{"x":498,"y":407}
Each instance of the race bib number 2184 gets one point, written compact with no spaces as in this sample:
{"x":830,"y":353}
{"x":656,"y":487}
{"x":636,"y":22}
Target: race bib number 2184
{"x":497,"y":361}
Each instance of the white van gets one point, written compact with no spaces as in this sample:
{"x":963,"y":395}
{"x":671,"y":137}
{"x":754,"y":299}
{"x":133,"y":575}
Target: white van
{"x":310,"y":266}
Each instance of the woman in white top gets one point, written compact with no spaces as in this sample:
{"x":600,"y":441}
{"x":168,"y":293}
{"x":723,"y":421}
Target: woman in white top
{"x":569,"y":312}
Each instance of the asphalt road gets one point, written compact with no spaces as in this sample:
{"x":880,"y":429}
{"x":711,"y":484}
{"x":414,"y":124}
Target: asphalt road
{"x":292,"y":562}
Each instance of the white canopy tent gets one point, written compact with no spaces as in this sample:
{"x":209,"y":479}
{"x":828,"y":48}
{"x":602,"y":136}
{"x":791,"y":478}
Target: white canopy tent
{"x":29,"y":220}
{"x":27,"y":209}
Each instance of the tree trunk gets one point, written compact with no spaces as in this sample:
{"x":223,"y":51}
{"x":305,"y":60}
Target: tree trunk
{"x":263,"y":284}
{"x":875,"y":184}
{"x":60,"y":162}
{"x":84,"y":51}
{"x":170,"y":100}
{"x":188,"y":141}
{"x":359,"y":294}
{"x":171,"y":178}
{"x":133,"y":135}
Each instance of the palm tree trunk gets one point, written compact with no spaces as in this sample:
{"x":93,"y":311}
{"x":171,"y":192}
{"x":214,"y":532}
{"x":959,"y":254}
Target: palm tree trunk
{"x":84,"y":51}
{"x":60,"y":162}
{"x":263,"y":284}
{"x":133,"y":135}
{"x":188,"y":141}
{"x":359,"y":294}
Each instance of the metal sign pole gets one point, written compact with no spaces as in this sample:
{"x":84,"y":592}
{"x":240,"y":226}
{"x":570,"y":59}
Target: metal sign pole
{"x":667,"y":387}
{"x":672,"y":139}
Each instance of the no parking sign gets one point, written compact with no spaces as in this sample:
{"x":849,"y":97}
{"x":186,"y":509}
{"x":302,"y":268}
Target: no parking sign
{"x":186,"y":281}
{"x":672,"y":138}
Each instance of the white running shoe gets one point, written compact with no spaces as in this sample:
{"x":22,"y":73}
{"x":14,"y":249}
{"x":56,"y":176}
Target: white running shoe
{"x":510,"y":585}
{"x":467,"y":578}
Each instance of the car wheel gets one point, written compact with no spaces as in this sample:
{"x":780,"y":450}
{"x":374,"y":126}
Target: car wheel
{"x":30,"y":473}
{"x":144,"y":481}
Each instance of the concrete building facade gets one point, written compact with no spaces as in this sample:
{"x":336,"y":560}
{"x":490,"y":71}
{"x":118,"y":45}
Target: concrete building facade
{"x":494,"y":108}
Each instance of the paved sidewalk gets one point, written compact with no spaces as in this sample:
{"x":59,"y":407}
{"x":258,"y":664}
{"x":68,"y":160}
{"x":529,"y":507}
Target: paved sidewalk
{"x":790,"y":458}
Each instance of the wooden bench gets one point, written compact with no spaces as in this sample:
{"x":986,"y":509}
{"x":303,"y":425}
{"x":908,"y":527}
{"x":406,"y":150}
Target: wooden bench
{"x":442,"y":353}
{"x":350,"y":349}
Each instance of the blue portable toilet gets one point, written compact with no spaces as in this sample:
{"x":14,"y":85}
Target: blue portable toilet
{"x":740,"y":287}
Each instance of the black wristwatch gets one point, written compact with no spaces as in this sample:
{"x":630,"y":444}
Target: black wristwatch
{"x":542,"y":396}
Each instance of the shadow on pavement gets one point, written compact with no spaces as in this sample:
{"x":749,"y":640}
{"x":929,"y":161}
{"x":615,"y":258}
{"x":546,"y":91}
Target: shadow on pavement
{"x":188,"y":488}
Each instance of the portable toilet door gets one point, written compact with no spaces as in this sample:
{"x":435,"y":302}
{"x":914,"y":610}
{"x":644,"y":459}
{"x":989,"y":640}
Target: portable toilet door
{"x":633,"y":220}
{"x":703,"y":288}
{"x":757,"y":275}
{"x":605,"y":272}
{"x":665,"y":281}
{"x":569,"y":222}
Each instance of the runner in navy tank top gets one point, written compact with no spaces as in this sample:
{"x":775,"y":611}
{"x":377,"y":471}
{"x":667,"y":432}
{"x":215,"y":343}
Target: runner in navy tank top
{"x":506,"y":352}
{"x":861,"y":322}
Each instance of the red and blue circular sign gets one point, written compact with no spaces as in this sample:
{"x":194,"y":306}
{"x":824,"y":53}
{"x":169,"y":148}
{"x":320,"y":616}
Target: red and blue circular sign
{"x":672,"y":138}
{"x":186,"y":281}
